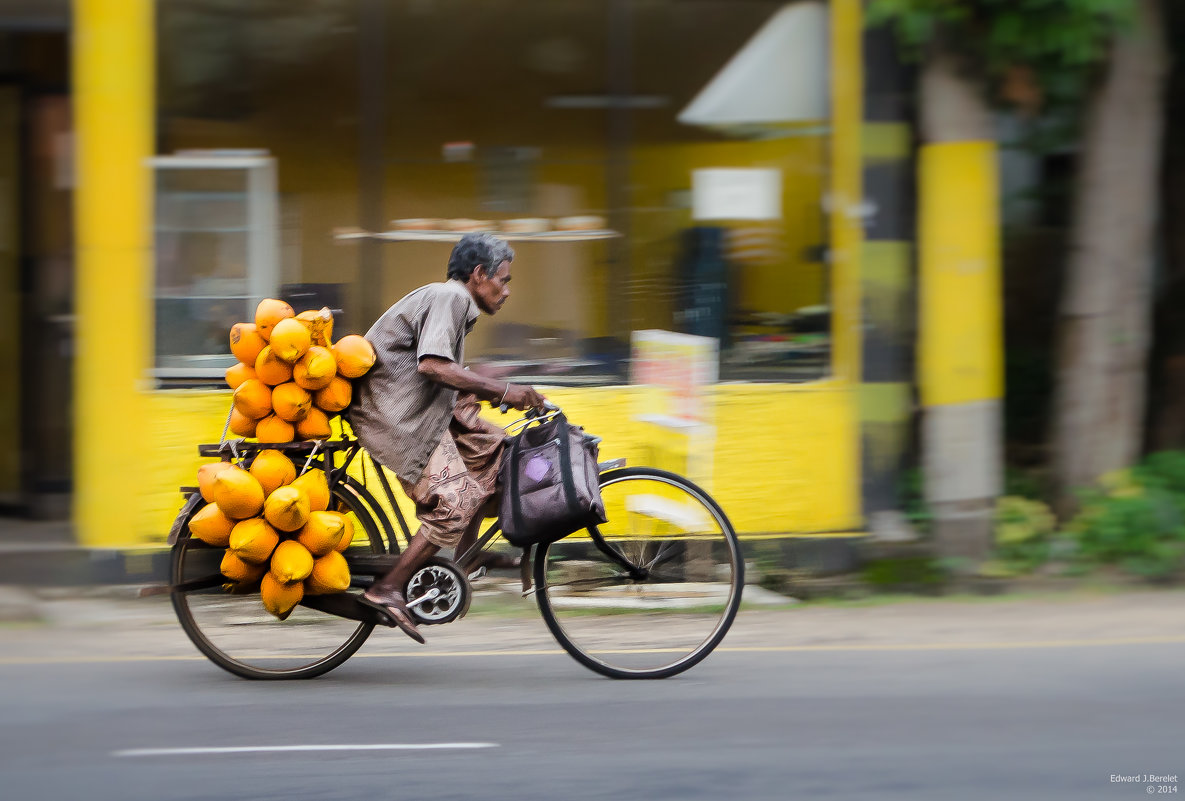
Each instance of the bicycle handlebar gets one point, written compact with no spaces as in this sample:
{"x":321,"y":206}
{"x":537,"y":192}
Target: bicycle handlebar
{"x":549,"y":410}
{"x":548,"y":406}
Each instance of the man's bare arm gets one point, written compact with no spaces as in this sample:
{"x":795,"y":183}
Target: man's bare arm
{"x":452,"y":375}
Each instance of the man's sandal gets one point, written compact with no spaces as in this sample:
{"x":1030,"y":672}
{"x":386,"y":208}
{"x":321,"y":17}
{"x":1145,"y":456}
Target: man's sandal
{"x":395,"y":610}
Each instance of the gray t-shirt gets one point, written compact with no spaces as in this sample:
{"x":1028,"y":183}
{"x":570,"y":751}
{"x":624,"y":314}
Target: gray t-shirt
{"x":398,"y":414}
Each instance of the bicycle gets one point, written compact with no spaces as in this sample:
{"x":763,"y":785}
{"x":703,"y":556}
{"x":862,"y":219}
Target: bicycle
{"x":667,"y":551}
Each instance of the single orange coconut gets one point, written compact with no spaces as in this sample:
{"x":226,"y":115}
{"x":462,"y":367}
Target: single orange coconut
{"x":253,"y":540}
{"x":273,"y":470}
{"x":354,"y":356}
{"x":315,"y":369}
{"x":279,"y":598}
{"x":290,"y":340}
{"x":269,"y":312}
{"x":211,"y":526}
{"x":322,"y":532}
{"x":291,"y":561}
{"x":287,"y":508}
{"x":271,"y":369}
{"x":292,"y":403}
{"x":273,"y":429}
{"x":336,"y":395}
{"x":237,"y":493}
{"x":246,"y":342}
{"x":239,"y":373}
{"x":314,"y":426}
{"x":206,"y":475}
{"x":331,"y":573}
{"x":254,"y":399}
{"x":236,"y":569}
{"x":241,"y":424}
{"x":314,"y":485}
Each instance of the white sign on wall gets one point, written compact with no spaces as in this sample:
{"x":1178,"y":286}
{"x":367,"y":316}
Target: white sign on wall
{"x":736,"y":194}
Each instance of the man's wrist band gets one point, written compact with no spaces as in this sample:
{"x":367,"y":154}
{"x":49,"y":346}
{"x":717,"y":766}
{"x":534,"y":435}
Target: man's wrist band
{"x":503,"y":398}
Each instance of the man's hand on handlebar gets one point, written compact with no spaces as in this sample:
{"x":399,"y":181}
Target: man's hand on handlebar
{"x":521,"y":396}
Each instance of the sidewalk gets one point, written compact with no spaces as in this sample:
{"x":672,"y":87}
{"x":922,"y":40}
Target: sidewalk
{"x":111,"y":624}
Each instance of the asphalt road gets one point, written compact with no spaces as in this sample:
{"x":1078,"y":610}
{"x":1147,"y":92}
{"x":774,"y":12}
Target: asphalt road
{"x":1030,"y":721}
{"x":856,"y":718}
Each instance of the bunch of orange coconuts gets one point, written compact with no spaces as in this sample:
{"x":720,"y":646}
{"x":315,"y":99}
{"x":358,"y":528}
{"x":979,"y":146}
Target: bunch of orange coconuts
{"x":291,"y":378}
{"x":276,"y":525}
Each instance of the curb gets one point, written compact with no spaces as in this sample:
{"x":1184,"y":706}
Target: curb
{"x":72,"y":565}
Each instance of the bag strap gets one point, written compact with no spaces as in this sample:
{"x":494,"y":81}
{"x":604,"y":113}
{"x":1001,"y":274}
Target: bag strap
{"x":566,"y":465}
{"x":516,"y":507}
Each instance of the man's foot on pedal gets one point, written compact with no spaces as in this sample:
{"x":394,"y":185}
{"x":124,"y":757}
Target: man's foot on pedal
{"x":394,"y":607}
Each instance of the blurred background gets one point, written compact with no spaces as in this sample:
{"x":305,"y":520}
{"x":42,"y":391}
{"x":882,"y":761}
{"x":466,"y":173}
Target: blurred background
{"x":899,"y":282}
{"x":873,"y":272}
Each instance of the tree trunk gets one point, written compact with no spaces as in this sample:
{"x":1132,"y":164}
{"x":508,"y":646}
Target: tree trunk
{"x":1104,"y":316}
{"x":1166,"y":379}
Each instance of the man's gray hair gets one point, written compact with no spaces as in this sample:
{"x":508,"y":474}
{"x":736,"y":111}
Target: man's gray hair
{"x":478,"y":249}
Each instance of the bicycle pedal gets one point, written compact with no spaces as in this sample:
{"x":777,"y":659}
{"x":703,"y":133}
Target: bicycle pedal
{"x":479,"y":573}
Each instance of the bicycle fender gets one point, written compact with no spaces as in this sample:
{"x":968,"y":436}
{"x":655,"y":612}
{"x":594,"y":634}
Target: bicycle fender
{"x":192,"y":501}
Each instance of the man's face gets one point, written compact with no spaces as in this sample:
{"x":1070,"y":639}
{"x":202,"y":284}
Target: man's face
{"x":490,"y":291}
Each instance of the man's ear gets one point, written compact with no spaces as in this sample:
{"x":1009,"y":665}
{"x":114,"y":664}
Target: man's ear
{"x":481,"y":268}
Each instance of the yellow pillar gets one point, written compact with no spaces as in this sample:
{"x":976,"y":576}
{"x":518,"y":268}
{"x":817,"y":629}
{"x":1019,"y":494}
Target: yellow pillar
{"x":846,"y":187}
{"x":845,"y":196}
{"x":960,"y":352}
{"x":113,"y":68}
{"x":960,"y":344}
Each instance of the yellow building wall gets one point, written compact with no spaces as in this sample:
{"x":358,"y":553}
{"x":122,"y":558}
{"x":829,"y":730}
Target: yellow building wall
{"x":785,"y":458}
{"x":783,"y":462}
{"x":781,"y":283}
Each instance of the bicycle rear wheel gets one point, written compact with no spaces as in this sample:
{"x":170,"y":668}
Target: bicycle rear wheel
{"x":237,"y":634}
{"x":660,"y":589}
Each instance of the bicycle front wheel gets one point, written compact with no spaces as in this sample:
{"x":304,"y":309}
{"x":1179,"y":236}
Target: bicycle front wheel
{"x":651,"y":592}
{"x":234,"y":630}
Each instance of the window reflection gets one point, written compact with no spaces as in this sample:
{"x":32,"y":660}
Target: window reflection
{"x":529,"y":116}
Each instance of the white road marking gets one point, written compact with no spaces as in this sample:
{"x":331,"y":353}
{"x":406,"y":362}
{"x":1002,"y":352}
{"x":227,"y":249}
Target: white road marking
{"x":255,"y":749}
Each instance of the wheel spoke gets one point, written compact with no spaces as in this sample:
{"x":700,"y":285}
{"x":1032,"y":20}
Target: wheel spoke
{"x":657,"y":560}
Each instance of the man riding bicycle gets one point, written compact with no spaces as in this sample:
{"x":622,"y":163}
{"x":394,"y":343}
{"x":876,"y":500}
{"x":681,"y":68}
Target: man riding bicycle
{"x":416,"y":411}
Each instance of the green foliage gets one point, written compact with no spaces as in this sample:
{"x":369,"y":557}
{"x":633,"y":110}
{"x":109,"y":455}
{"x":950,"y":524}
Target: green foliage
{"x":911,"y":493}
{"x":917,"y":572}
{"x":1023,"y":483}
{"x":1136,"y":518}
{"x":1061,"y":41}
{"x":1023,"y":532}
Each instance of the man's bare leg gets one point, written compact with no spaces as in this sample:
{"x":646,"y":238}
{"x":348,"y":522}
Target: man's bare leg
{"x":483,"y":558}
{"x":386,"y":594}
